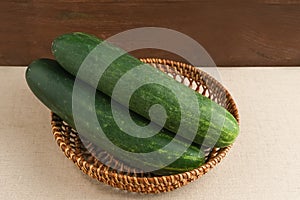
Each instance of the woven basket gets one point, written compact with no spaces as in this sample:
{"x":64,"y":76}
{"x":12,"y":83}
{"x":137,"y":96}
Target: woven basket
{"x":83,"y":156}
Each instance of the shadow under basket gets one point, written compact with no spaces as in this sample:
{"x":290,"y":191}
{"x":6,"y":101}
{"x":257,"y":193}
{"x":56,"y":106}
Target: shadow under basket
{"x":85,"y":159}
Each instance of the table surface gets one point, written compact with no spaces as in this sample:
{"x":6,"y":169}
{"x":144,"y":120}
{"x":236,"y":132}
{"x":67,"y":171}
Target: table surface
{"x":264,"y":163}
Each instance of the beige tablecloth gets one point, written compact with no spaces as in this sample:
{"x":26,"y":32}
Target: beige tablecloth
{"x":264,"y":163}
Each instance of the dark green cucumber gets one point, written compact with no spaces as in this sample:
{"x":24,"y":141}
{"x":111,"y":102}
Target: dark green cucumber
{"x":216,"y":125}
{"x":54,"y":86}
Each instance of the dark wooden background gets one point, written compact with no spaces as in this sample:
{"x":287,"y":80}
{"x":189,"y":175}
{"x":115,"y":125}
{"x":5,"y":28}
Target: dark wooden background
{"x":235,"y":33}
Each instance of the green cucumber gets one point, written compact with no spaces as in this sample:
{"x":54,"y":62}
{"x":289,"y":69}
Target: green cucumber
{"x":216,"y":126}
{"x":53,"y":86}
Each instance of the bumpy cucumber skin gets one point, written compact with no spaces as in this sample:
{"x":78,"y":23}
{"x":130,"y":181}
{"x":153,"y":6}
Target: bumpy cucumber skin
{"x":53,"y":86}
{"x":70,"y":50}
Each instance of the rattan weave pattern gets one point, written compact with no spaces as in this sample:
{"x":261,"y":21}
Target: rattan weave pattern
{"x":83,"y":156}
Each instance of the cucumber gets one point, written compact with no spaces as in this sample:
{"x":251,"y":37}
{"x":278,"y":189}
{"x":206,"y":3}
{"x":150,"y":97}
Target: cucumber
{"x":216,"y":126}
{"x":53,"y":86}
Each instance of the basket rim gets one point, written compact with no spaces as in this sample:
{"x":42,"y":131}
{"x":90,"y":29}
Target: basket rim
{"x":195,"y":69}
{"x":184,"y":177}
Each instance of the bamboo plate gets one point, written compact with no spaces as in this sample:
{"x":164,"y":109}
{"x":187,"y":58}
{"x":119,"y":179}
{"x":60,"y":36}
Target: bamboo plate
{"x":132,"y":180}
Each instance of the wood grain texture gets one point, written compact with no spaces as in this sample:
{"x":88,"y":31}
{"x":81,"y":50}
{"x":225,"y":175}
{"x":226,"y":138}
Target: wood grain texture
{"x":235,"y":33}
